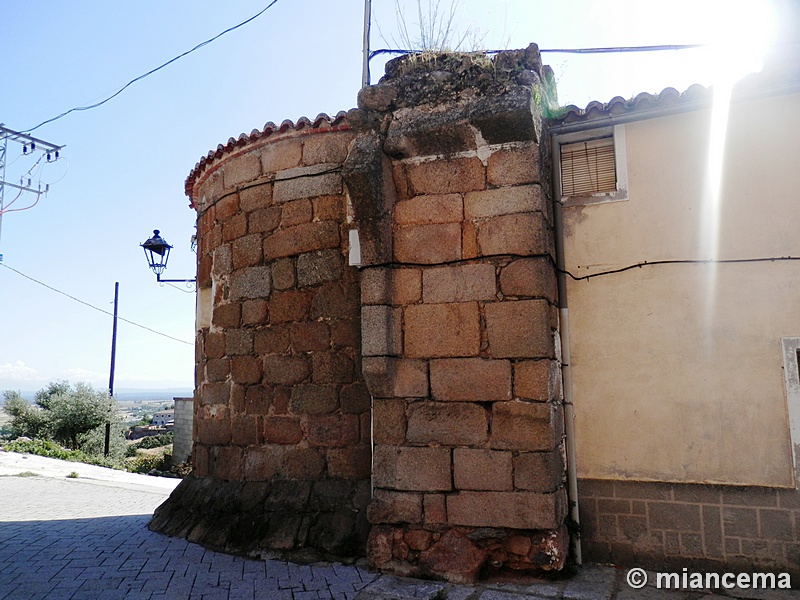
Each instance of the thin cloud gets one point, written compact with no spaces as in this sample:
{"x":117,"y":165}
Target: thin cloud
{"x":18,"y":371}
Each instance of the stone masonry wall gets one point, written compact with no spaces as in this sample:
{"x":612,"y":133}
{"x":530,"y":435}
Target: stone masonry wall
{"x":451,"y":326}
{"x":459,"y":320}
{"x":669,"y":526}
{"x":184,"y":416}
{"x":282,"y":419}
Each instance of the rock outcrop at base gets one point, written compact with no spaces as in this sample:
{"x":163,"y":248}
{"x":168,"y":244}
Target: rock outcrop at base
{"x":300,"y":520}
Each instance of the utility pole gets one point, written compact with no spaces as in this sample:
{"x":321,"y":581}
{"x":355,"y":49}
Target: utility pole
{"x":30,"y":146}
{"x":113,"y":342}
{"x":113,"y":365}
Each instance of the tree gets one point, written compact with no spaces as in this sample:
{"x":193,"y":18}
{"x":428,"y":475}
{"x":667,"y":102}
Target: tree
{"x":62,"y":412}
{"x":54,"y":388}
{"x":26,"y":419}
{"x":74,"y":412}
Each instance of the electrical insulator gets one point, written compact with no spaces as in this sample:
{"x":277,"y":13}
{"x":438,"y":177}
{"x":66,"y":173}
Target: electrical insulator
{"x":48,"y":157}
{"x":33,"y":146}
{"x":24,"y":149}
{"x":56,"y":154}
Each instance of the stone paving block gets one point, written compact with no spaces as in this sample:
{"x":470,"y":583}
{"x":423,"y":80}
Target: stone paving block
{"x":501,"y":595}
{"x":206,"y":578}
{"x":70,"y":573}
{"x":138,"y":595}
{"x":193,"y":569}
{"x":156,"y":581}
{"x":110,"y":583}
{"x":592,"y":580}
{"x":389,"y":587}
{"x":213,"y":595}
{"x":354,"y":573}
{"x":127,"y":556}
{"x":274,"y":594}
{"x":648,"y":593}
{"x":461,"y":592}
{"x":180,"y":583}
{"x":155,"y":565}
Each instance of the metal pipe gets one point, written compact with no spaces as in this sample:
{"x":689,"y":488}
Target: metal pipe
{"x":566,"y":372}
{"x":366,"y":57}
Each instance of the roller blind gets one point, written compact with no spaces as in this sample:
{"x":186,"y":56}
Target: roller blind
{"x":588,"y":167}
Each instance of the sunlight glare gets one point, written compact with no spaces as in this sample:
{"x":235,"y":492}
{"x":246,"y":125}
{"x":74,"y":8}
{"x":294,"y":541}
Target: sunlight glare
{"x":740,"y":38}
{"x":740,"y":41}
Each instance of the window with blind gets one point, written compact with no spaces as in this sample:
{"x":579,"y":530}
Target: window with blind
{"x":588,"y":167}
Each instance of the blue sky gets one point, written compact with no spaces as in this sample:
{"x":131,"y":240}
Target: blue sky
{"x":123,"y":168}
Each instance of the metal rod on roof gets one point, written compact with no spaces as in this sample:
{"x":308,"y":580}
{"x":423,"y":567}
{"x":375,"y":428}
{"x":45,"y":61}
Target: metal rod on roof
{"x":366,"y":55}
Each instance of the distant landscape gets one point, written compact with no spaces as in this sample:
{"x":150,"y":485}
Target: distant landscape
{"x":136,"y":395}
{"x":134,"y":403}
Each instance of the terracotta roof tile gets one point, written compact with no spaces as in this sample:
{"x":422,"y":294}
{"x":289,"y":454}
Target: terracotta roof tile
{"x":696,"y":96}
{"x":669,"y":97}
{"x":321,"y":123}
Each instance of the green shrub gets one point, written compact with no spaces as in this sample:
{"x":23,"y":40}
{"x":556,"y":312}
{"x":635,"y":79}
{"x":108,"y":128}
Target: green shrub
{"x":50,"y":449}
{"x":93,"y":442}
{"x":146,"y":443}
{"x":156,"y":441}
{"x":146,"y":463}
{"x":42,"y":448}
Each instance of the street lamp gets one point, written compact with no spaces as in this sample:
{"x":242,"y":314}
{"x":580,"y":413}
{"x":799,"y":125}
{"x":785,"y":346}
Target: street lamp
{"x":156,"y":251}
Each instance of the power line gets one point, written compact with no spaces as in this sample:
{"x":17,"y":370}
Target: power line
{"x":78,"y":300}
{"x":621,"y":49}
{"x":140,"y":77}
{"x":608,"y":50}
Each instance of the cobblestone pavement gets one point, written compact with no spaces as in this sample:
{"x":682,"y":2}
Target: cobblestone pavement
{"x":65,"y":538}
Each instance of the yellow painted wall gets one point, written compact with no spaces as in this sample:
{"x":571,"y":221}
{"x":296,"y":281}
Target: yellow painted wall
{"x":677,"y":369}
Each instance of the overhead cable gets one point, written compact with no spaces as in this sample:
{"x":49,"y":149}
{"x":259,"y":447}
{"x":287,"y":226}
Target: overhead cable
{"x":608,"y":50}
{"x":140,"y":77}
{"x":78,"y":300}
{"x":687,"y":261}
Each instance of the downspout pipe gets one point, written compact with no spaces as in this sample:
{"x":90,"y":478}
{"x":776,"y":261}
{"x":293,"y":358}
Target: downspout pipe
{"x":566,"y":372}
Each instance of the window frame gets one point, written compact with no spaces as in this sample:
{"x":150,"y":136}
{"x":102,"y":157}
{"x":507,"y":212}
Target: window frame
{"x":617,"y":133}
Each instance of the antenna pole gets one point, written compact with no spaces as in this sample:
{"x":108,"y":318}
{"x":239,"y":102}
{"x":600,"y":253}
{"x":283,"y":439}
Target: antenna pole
{"x":365,"y":63}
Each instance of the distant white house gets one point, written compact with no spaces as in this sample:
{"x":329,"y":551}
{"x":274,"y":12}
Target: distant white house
{"x":162,"y":417}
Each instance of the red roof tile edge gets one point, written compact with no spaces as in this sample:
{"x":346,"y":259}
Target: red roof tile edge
{"x":642,"y":102}
{"x":754,"y":84}
{"x":321,"y":124}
